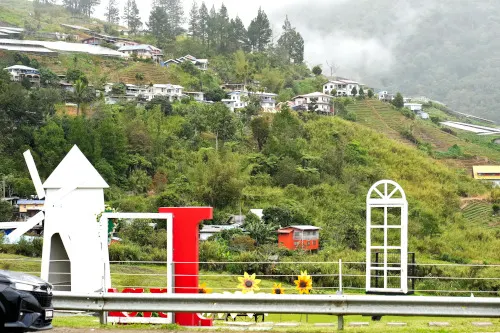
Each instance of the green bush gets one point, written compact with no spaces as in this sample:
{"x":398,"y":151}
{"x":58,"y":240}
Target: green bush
{"x":29,"y":248}
{"x":126,"y":252}
{"x":408,"y":113}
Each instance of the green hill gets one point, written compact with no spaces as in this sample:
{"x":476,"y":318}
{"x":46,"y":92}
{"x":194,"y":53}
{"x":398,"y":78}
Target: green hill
{"x":444,"y":50}
{"x":384,"y":118}
{"x":43,"y":17}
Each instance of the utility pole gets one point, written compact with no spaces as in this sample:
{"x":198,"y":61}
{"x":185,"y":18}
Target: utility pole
{"x":333,"y":68}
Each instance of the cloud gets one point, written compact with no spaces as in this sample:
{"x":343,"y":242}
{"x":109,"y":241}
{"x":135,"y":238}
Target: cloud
{"x":333,"y":30}
{"x":354,"y":56}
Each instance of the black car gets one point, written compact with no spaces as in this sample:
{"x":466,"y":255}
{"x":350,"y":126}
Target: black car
{"x":25,"y":303}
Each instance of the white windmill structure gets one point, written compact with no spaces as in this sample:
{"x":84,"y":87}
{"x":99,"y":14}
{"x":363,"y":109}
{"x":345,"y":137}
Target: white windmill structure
{"x":72,"y":246}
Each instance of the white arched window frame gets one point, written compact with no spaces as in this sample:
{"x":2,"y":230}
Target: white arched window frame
{"x":385,"y":195}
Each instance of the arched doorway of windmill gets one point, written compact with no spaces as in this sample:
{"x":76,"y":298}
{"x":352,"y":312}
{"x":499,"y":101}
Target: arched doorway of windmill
{"x":60,"y":266}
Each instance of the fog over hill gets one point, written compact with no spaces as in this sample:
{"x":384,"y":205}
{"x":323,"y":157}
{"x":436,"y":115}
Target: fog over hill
{"x":446,"y":50}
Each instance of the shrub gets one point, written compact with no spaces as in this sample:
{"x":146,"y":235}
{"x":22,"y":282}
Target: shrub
{"x":408,"y":113}
{"x":242,"y":243}
{"x":125,"y":252}
{"x":496,"y":209}
{"x":449,"y":131}
{"x":351,"y":116}
{"x":407,"y":133}
{"x":29,"y":248}
{"x":436,"y":119}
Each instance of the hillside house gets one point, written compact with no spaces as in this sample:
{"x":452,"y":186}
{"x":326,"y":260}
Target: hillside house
{"x":267,"y":100}
{"x":384,"y":96}
{"x":54,"y":47}
{"x":10,"y":32}
{"x":234,"y":222}
{"x":122,"y":43}
{"x":343,"y":87}
{"x":305,"y":237}
{"x":415,"y":107}
{"x":172,"y":91}
{"x":198,"y":96}
{"x":323,"y":102}
{"x":96,"y":41}
{"x":66,"y":86}
{"x":237,"y":99}
{"x":143,"y":51}
{"x":489,"y":173}
{"x":19,"y":72}
{"x":423,"y":115}
{"x":201,"y":64}
{"x":29,"y":208}
{"x":234,"y":86}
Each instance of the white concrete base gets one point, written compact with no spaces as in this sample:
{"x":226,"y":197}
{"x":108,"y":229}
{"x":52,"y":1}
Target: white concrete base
{"x":359,"y":324}
{"x":138,"y":320}
{"x":439,"y":323}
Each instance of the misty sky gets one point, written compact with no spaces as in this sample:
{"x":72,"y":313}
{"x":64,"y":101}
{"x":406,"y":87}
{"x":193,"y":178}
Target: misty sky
{"x":350,"y":53}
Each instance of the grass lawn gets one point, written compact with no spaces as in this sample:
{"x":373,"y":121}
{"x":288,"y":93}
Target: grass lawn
{"x":414,"y":324}
{"x":155,"y":276}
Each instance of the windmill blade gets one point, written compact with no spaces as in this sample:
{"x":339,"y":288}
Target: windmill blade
{"x":15,"y":235}
{"x":40,"y":192}
{"x":60,"y":194}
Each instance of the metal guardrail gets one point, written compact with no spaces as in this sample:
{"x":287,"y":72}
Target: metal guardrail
{"x":306,"y":304}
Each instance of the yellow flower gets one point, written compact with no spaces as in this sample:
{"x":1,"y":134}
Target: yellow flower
{"x":248,"y":283}
{"x":202,"y":289}
{"x":303,"y":283}
{"x":277,"y":289}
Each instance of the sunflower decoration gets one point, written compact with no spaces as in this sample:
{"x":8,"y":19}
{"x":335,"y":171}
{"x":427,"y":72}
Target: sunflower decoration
{"x":277,"y":289}
{"x":203,"y":289}
{"x":303,"y":283}
{"x":248,"y":283}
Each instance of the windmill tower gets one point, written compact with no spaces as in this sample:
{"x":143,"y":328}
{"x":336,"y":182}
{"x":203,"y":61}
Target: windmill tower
{"x":74,"y":197}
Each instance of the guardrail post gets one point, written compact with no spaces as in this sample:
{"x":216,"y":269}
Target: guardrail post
{"x":340,"y":325}
{"x":340,"y":276}
{"x":103,"y":317}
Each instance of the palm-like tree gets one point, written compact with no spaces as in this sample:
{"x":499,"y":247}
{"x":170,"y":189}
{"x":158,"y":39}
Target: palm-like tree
{"x":79,"y":94}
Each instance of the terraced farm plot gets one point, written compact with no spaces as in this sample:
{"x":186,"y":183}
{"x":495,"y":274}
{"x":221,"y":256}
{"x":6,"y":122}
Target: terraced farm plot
{"x":481,"y":213}
{"x":384,"y":118}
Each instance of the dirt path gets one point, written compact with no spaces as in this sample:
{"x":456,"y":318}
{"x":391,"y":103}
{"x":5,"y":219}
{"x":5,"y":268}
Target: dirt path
{"x":464,"y":202}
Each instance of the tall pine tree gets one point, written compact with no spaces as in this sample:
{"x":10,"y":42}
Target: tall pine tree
{"x":131,"y":16}
{"x":237,"y":36}
{"x":112,"y":12}
{"x":194,"y":21}
{"x":223,"y":29}
{"x":212,"y":28}
{"x":259,"y":32}
{"x":71,"y":5}
{"x":291,"y":43}
{"x":175,"y":14}
{"x":203,"y":23}
{"x":159,"y":26}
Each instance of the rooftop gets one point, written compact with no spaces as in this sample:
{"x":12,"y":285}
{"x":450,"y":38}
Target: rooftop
{"x":45,"y":46}
{"x":21,"y":67}
{"x":138,"y":47}
{"x":167,"y":85}
{"x":30,"y":202}
{"x":300,"y":227}
{"x":314,"y":94}
{"x":75,"y":169}
{"x":488,"y":172}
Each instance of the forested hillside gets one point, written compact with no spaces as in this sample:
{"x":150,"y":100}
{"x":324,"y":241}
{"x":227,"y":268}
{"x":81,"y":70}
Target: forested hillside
{"x":301,"y":168}
{"x":445,"y":50}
